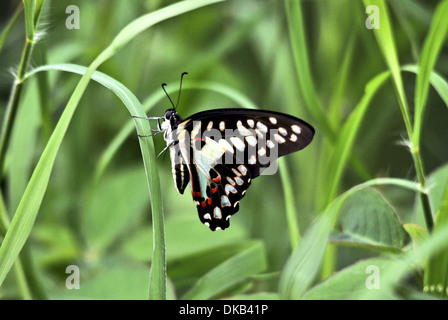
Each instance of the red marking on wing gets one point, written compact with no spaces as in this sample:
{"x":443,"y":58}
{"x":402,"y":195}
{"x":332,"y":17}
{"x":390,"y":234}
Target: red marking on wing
{"x":203,"y":204}
{"x":217,"y":179}
{"x":209,"y":201}
{"x":214,"y":189}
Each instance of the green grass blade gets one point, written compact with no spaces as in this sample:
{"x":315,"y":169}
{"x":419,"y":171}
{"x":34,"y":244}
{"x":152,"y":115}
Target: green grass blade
{"x":302,"y":64}
{"x":436,"y":270}
{"x":236,"y":269}
{"x":348,"y":134}
{"x":437,"y":81}
{"x":334,"y":108}
{"x":344,"y":284}
{"x":431,"y":50}
{"x":387,"y":46}
{"x":26,"y":213}
{"x":7,"y":30}
{"x":386,"y":43}
{"x":291,"y":210}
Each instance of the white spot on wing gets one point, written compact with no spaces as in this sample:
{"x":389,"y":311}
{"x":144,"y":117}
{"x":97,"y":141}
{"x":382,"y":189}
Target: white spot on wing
{"x":217,"y":213}
{"x":222,"y":125}
{"x":252,"y":159}
{"x":207,"y":216}
{"x":210,"y":125}
{"x":259,"y":134}
{"x":273,"y":120}
{"x":262,"y":127}
{"x":251,"y":123}
{"x":231,"y":181}
{"x":226,"y":145}
{"x":225,"y":202}
{"x":236,"y":172}
{"x":242,"y":169}
{"x":228,"y":188}
{"x":293,"y":138}
{"x":239,"y":181}
{"x":279,"y":138}
{"x":238,"y":143}
{"x":296,"y":129}
{"x":251,"y":140}
{"x":242,"y":129}
{"x":282,"y":131}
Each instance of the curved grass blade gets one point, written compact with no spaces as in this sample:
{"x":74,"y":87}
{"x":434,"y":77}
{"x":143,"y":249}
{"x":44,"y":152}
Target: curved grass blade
{"x":28,"y":208}
{"x":431,"y":50}
{"x":348,"y":134}
{"x":436,"y":80}
{"x":236,"y":269}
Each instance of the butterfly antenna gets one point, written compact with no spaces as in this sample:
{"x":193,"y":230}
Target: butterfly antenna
{"x":180,"y":88}
{"x":163,"y":87}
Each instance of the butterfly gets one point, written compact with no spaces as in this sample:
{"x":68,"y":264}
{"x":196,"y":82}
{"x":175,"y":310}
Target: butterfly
{"x":221,"y":151}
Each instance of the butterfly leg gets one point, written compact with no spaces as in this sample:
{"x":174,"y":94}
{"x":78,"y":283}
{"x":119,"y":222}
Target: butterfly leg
{"x":150,"y":135}
{"x":147,"y":118}
{"x":157,"y":131}
{"x":166,"y":148}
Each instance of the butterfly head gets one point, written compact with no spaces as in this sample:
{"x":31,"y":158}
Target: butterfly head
{"x":172,"y":119}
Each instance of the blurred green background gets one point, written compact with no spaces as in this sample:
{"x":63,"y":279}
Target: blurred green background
{"x":104,"y":226}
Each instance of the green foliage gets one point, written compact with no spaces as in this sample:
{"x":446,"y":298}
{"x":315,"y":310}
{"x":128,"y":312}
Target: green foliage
{"x":75,"y":192}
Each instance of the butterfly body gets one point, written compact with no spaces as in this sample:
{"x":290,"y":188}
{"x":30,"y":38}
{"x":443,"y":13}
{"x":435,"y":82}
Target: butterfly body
{"x":221,"y":151}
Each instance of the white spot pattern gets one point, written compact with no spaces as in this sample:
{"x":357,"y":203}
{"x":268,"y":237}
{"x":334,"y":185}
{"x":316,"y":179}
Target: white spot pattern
{"x":296,"y":129}
{"x":238,"y":143}
{"x":251,"y":140}
{"x":282,"y":131}
{"x":279,"y":138}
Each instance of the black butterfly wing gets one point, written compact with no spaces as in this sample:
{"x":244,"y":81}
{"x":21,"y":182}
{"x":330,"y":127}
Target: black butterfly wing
{"x":230,"y":147}
{"x":265,"y":135}
{"x":222,"y":195}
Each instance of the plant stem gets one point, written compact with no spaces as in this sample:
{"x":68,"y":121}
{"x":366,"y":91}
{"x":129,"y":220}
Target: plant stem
{"x":13,"y":103}
{"x":424,"y":197}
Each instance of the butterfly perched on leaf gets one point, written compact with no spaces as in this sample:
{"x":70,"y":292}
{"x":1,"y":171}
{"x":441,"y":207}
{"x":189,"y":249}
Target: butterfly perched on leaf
{"x":221,"y":151}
